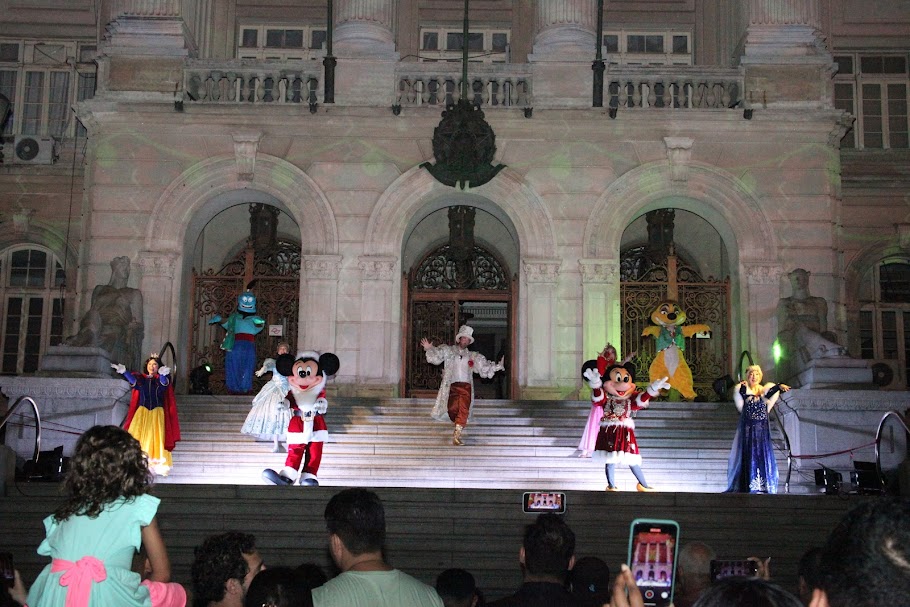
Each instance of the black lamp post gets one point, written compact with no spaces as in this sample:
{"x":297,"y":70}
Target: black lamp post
{"x":599,"y":66}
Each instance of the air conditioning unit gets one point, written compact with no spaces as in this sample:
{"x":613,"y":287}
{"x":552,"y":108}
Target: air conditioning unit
{"x":28,"y":149}
{"x":888,"y":374}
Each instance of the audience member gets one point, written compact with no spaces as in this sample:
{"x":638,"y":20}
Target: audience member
{"x":866,"y":559}
{"x":810,"y":573}
{"x":589,"y":581}
{"x":546,"y":555}
{"x":746,"y":592}
{"x":457,"y":588}
{"x":223,"y":568}
{"x":311,"y":575}
{"x":277,"y":587}
{"x":693,"y":572}
{"x":355,"y":519}
{"x":15,"y":595}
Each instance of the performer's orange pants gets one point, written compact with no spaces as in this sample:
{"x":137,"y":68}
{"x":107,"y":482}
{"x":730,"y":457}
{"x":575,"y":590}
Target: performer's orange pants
{"x":459,"y":402}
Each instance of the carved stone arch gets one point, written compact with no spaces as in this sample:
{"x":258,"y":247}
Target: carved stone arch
{"x":863,"y":261}
{"x":712,"y":193}
{"x":282,"y":180}
{"x":389,"y":221}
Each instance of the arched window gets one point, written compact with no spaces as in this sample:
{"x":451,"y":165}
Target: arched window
{"x":32,"y":307}
{"x":885,"y":319}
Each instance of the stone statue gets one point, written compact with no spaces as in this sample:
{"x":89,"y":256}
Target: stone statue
{"x":114,"y":321}
{"x":802,"y":322}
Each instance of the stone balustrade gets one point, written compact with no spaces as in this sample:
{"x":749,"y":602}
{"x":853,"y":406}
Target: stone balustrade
{"x":672,"y":87}
{"x":246,"y":81}
{"x":435,"y":84}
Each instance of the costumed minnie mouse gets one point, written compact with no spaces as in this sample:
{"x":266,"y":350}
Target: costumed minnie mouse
{"x":307,"y":431}
{"x":614,"y":389}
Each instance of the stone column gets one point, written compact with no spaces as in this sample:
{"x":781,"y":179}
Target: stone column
{"x":541,"y":276}
{"x":565,"y":29}
{"x":144,"y":48}
{"x":318,"y":302}
{"x":763,"y":289}
{"x":784,"y":53}
{"x":600,"y":305}
{"x":365,"y":47}
{"x":160,"y":307}
{"x":364,"y":27}
{"x":563,"y":50}
{"x":378,"y":365}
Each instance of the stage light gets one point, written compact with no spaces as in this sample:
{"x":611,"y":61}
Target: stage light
{"x":612,"y":113}
{"x":199,"y":379}
{"x":529,"y":111}
{"x":777,"y":351}
{"x":396,"y":109}
{"x":747,"y":113}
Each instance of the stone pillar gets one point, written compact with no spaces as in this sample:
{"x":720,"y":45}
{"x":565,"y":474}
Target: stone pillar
{"x":541,"y":276}
{"x":378,"y":365}
{"x":144,"y":48}
{"x":564,"y":48}
{"x":787,"y":63}
{"x":763,"y":292}
{"x":600,"y":306}
{"x":565,"y":28}
{"x":365,"y":47}
{"x":160,"y":307}
{"x":318,"y":302}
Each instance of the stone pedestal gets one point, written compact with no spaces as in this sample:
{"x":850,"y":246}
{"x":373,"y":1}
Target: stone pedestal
{"x":75,"y":361}
{"x":68,"y":407}
{"x":839,"y":373}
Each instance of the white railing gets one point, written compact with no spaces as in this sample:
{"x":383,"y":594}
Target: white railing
{"x":438,"y":84}
{"x":672,"y":88}
{"x":250,"y":82}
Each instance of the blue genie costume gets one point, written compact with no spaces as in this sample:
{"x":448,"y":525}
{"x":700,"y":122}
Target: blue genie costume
{"x":239,"y":344}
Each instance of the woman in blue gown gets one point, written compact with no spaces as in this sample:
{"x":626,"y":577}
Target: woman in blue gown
{"x":752,"y":467}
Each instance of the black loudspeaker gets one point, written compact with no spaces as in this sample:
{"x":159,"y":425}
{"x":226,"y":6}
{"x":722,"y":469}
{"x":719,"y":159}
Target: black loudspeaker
{"x":51,"y":466}
{"x":864,"y":478}
{"x":829,"y":480}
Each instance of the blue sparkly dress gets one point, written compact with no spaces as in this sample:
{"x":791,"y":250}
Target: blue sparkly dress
{"x":752,"y":467}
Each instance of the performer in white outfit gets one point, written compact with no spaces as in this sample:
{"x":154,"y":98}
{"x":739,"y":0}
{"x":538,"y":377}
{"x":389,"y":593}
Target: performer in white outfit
{"x":456,"y":390}
{"x":271,"y":412}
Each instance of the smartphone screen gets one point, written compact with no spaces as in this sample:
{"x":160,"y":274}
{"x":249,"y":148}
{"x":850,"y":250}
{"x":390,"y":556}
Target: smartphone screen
{"x":544,"y":501}
{"x":728,"y":568}
{"x":653,"y":545}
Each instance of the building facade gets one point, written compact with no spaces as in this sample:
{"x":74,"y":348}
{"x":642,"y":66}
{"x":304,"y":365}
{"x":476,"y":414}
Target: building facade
{"x":775,"y":131}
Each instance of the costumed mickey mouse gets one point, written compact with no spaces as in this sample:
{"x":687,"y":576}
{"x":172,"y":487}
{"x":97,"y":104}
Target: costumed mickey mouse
{"x":613,"y":386}
{"x":307,"y":431}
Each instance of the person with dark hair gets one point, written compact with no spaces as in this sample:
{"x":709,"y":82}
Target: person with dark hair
{"x":546,"y":556}
{"x":311,"y":575}
{"x":457,"y":588}
{"x":746,"y":592}
{"x":355,"y":519}
{"x":223,"y":568}
{"x":810,"y":573}
{"x":866,"y":559}
{"x":589,"y":581}
{"x":93,"y":535}
{"x":277,"y":587}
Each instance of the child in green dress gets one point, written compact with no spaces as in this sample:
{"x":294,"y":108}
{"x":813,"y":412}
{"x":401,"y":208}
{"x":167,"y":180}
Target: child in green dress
{"x":92,"y":537}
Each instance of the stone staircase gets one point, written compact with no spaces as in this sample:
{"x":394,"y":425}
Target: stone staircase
{"x":510,"y":445}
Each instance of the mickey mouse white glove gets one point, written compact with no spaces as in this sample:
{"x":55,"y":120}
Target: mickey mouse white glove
{"x":321,"y":405}
{"x":164,"y":371}
{"x":121,"y":369}
{"x":261,"y":371}
{"x":657,"y":385}
{"x":593,"y":377}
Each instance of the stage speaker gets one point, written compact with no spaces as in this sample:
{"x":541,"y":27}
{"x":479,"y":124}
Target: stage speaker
{"x":828,"y":480}
{"x":51,"y":466}
{"x":865,"y":479}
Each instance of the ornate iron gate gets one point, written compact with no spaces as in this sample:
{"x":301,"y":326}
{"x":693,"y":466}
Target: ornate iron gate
{"x":436,"y":288}
{"x":704,"y":301}
{"x":275,"y":278}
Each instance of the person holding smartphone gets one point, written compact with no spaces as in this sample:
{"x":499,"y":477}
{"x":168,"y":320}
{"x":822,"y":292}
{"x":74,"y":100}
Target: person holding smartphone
{"x":14,"y":592}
